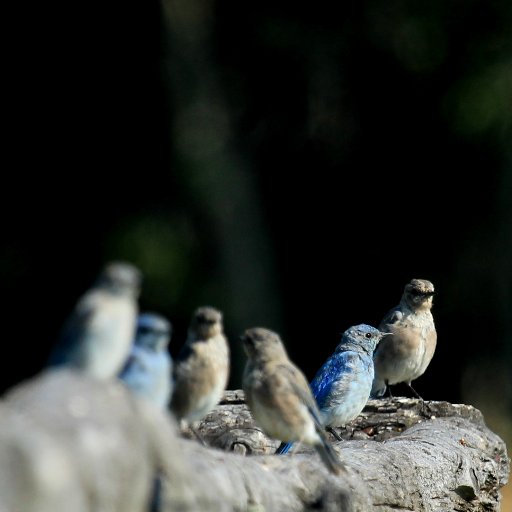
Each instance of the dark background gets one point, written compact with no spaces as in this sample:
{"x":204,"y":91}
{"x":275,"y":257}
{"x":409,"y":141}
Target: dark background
{"x":292,"y":166}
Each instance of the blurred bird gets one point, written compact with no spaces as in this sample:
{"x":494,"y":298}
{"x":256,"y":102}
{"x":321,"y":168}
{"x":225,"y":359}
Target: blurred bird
{"x":280,"y":398}
{"x":342,"y":385}
{"x":148,"y":374}
{"x":97,"y":336}
{"x":201,"y":370}
{"x":148,"y":371}
{"x":405,"y":354}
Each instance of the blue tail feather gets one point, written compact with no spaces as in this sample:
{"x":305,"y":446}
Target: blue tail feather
{"x":284,"y":448}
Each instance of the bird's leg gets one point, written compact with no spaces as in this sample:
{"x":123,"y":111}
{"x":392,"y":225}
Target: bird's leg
{"x":389,"y":390}
{"x":414,"y":392}
{"x":198,"y":437}
{"x":352,"y":430}
{"x":334,"y":433}
{"x":425,"y":407}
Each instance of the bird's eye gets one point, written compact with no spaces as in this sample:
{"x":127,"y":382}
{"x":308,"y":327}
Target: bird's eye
{"x":247,"y":340}
{"x":368,"y":335}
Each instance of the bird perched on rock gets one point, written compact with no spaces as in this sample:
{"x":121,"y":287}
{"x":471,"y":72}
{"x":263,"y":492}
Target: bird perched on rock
{"x":405,"y":354}
{"x":148,"y":371}
{"x":97,"y":337}
{"x":201,"y":370}
{"x":342,"y":385}
{"x":280,"y":398}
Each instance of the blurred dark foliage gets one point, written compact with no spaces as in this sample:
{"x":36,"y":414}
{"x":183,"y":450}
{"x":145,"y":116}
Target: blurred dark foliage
{"x":293,"y":166}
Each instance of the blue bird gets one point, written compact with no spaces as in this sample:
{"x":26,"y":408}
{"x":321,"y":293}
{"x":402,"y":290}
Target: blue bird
{"x":342,"y":385}
{"x":148,"y":371}
{"x":97,"y":336}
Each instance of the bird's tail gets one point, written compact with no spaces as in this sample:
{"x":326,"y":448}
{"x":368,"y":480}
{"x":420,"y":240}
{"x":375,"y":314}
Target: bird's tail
{"x":329,"y":456}
{"x":283,"y":448}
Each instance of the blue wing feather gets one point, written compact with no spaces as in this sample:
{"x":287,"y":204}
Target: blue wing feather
{"x":338,"y":364}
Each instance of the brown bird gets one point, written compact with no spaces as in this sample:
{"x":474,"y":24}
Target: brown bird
{"x":280,"y":398}
{"x":201,"y":370}
{"x":405,"y":354}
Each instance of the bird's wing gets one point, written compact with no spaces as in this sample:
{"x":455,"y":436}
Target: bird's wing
{"x":130,"y":363}
{"x":339,"y":364}
{"x":186,"y":351}
{"x":300,"y":387}
{"x":392,"y":317}
{"x":137,"y":362}
{"x":69,"y":340}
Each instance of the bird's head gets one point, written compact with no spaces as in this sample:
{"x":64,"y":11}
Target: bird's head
{"x":206,"y":323}
{"x":153,"y":332}
{"x":418,"y":294}
{"x":262,"y":344}
{"x":364,"y":336}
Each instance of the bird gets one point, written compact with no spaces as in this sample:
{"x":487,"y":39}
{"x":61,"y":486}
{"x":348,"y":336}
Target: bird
{"x":148,"y":374}
{"x":342,"y":385}
{"x":279,"y":396}
{"x":148,"y":370}
{"x":97,"y":336}
{"x":406,"y":353}
{"x":201,"y":370}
